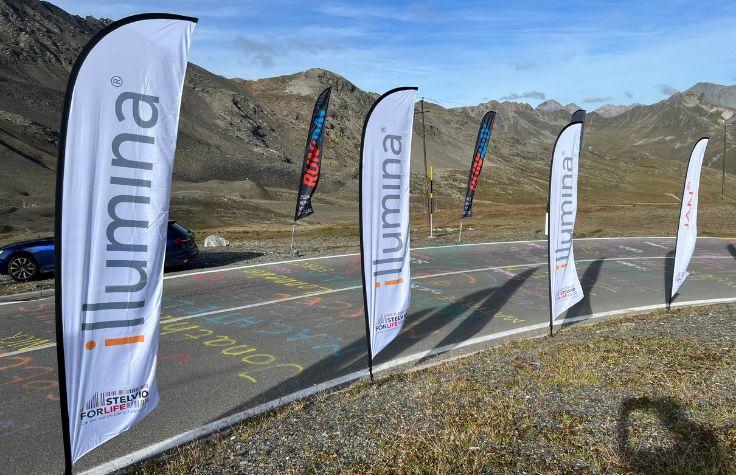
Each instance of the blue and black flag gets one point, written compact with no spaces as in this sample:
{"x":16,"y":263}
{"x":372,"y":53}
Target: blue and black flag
{"x":312,"y":157}
{"x":481,"y":147}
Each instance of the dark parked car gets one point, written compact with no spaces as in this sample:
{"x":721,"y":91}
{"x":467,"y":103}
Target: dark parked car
{"x":26,"y":260}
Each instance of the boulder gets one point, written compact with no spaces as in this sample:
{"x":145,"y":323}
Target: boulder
{"x":213,"y":240}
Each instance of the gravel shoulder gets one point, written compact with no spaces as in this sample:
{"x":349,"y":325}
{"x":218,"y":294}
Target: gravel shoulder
{"x":652,"y":393}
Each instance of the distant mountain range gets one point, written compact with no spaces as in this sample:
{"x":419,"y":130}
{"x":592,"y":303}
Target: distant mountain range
{"x":237,"y":129}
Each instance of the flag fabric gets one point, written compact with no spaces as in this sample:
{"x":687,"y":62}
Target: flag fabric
{"x":565,"y":288}
{"x":687,"y":231}
{"x":116,"y":158}
{"x":479,"y":155}
{"x":384,"y":215}
{"x":312,"y":157}
{"x":578,"y":116}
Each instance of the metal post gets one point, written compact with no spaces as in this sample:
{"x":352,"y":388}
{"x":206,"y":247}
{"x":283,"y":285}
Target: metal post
{"x":293,"y":228}
{"x":424,"y":149}
{"x":723,"y":175}
{"x":460,"y":237}
{"x":431,"y":204}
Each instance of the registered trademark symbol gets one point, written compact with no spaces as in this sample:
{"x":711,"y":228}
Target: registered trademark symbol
{"x":383,"y":129}
{"x":116,"y":81}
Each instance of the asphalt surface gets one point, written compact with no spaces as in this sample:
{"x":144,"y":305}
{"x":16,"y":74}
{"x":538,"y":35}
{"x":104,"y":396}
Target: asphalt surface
{"x":234,"y":338}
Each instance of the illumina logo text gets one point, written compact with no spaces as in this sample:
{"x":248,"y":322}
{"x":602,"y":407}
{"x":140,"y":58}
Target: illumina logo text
{"x":113,"y":403}
{"x":567,"y":216}
{"x":130,"y":192}
{"x":392,"y":243}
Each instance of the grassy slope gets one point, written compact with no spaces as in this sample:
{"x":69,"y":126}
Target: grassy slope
{"x":653,"y":393}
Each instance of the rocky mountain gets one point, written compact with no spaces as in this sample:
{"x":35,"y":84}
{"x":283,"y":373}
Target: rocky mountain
{"x":552,"y":105}
{"x":253,"y":132}
{"x":610,"y":110}
{"x":715,"y":94}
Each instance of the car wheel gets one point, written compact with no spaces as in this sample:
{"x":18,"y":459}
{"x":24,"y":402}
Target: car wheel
{"x":22,"y":267}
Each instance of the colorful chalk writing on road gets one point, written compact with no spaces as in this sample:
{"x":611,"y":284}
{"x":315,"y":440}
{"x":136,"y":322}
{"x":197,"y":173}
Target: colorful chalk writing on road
{"x":19,"y":370}
{"x":255,"y":361}
{"x":284,"y":280}
{"x":20,"y":341}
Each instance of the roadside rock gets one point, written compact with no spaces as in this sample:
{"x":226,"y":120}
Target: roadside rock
{"x":213,"y":240}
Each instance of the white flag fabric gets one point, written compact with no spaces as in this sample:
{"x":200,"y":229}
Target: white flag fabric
{"x":114,"y":178}
{"x":564,"y":285}
{"x":384,"y":215}
{"x":687,"y":232}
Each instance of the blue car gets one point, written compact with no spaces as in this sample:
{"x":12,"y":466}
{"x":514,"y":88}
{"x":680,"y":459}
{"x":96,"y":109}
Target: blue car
{"x":28,"y":259}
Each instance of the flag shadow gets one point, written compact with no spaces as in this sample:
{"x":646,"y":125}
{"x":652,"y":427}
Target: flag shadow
{"x":584,"y":307}
{"x":669,"y":272}
{"x":696,"y":448}
{"x":480,"y":308}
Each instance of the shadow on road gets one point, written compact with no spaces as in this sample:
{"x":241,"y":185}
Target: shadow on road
{"x":587,"y":281}
{"x":687,"y":448}
{"x":732,"y":250}
{"x":669,"y":271}
{"x":476,"y":310}
{"x":210,"y":258}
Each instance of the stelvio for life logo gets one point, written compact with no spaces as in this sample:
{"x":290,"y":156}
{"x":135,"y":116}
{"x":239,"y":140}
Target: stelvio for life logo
{"x":113,"y":403}
{"x":690,"y":196}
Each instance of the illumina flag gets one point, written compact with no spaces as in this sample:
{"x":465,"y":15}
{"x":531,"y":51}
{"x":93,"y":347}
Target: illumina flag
{"x":564,"y":285}
{"x":687,"y":232}
{"x":116,"y":156}
{"x":384,"y":215}
{"x":312,"y":157}
{"x":479,"y":156}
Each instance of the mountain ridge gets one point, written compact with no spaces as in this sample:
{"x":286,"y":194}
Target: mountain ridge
{"x":254,"y":130}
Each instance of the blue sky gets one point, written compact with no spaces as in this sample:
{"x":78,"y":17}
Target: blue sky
{"x":588,"y":52}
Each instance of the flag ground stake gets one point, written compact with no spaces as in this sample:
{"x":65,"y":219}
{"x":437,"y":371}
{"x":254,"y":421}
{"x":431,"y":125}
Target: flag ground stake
{"x":293,"y":229}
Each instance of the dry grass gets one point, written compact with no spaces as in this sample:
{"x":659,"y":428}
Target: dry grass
{"x":631,"y":395}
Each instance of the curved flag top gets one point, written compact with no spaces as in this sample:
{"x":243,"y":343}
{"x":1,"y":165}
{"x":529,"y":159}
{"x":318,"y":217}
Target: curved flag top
{"x":564,"y":285}
{"x":687,"y":232}
{"x":116,"y":157}
{"x":479,"y":155}
{"x":312,"y":157}
{"x":384,"y":215}
{"x":578,"y":116}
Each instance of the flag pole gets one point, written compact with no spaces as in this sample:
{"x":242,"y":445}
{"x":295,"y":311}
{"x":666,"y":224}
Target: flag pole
{"x":549,"y":266}
{"x":460,"y":237}
{"x":431,"y":204}
{"x":293,"y":229}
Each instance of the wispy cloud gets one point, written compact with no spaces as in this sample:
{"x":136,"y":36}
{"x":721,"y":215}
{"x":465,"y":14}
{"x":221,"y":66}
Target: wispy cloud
{"x":667,"y":90}
{"x":522,"y":66}
{"x":266,"y":50}
{"x":596,"y":99}
{"x":525,"y":95}
{"x":626,"y":45}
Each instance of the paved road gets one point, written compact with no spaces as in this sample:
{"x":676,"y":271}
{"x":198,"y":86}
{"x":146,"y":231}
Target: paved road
{"x":234,"y":338}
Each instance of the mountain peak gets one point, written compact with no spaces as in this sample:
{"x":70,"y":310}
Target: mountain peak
{"x":715,"y":94}
{"x":550,"y":105}
{"x":611,"y":110}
